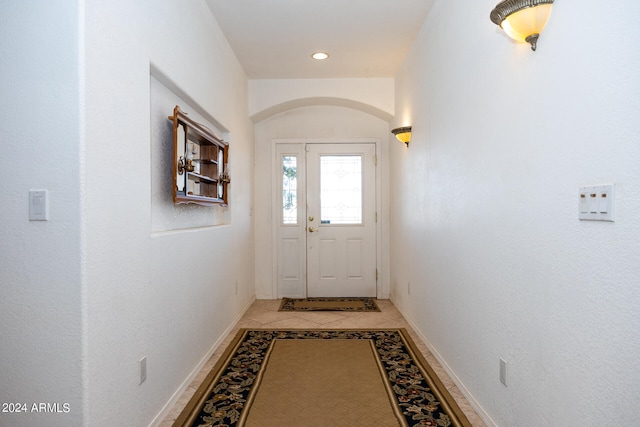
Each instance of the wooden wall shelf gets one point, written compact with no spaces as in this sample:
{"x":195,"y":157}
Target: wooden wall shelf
{"x":200,"y":162}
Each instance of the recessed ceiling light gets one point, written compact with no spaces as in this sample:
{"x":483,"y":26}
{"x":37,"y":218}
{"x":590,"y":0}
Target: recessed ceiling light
{"x":320,"y":56}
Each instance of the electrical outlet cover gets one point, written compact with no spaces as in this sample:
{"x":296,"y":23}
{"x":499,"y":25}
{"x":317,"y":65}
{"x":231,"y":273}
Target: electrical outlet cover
{"x":503,"y":371}
{"x":143,"y":369}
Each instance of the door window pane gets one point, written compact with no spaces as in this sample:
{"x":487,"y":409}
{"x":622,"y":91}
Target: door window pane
{"x":289,"y":190}
{"x":341,"y":189}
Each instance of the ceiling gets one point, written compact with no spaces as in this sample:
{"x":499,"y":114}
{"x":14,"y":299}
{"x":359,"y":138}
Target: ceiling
{"x":274,"y":39}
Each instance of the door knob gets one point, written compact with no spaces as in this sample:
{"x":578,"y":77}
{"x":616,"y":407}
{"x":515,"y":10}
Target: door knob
{"x":311,"y":218}
{"x":312,"y":229}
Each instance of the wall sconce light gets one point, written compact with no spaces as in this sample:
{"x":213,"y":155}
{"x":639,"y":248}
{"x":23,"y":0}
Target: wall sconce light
{"x":403,"y":134}
{"x":522,"y":20}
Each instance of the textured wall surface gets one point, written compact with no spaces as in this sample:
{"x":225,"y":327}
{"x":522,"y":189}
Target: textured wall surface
{"x":489,"y":259}
{"x":40,"y":285}
{"x":167,"y":295}
{"x":88,"y":293}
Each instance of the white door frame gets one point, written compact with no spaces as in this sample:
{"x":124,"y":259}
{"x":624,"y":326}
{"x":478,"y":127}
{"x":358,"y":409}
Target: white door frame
{"x":382,"y":286}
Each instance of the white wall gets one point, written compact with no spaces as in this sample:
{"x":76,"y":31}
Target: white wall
{"x":484,"y":210}
{"x":320,"y":122}
{"x":40,"y":302}
{"x":168,"y":294}
{"x":91,"y":291}
{"x":272,"y":96}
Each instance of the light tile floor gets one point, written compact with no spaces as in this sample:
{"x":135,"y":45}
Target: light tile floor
{"x":265,"y":314}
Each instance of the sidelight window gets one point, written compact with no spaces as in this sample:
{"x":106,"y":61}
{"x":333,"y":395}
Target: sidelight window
{"x":289,"y":190}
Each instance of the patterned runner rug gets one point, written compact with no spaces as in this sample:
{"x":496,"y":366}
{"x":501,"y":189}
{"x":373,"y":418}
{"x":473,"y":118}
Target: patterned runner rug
{"x":350,"y":378}
{"x":328,"y":304}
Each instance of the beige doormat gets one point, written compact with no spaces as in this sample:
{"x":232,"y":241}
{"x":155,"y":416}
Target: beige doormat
{"x":328,"y":304}
{"x":310,"y":378}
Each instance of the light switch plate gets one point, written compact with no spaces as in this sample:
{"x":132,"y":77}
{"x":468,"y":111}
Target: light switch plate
{"x":38,"y":205}
{"x":596,"y":202}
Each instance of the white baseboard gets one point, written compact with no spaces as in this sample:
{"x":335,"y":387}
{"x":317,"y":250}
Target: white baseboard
{"x":463,"y":389}
{"x":194,"y":373}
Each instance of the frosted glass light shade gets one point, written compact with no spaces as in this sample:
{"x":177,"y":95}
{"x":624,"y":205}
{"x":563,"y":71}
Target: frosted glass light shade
{"x":525,"y":22}
{"x":522,"y":20}
{"x":403,"y":134}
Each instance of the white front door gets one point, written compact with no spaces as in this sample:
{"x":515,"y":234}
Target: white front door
{"x":341,"y":229}
{"x":326,"y":246}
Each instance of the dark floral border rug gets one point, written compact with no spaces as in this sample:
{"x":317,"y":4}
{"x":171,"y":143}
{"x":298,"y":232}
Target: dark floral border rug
{"x":224,"y":397}
{"x":328,"y":304}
